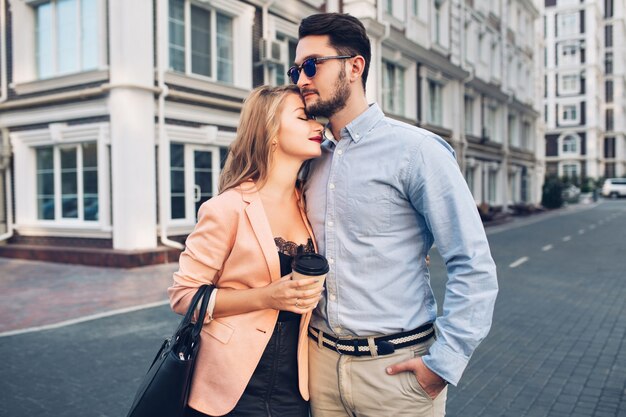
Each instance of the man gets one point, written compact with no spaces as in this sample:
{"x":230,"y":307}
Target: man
{"x":378,"y":198}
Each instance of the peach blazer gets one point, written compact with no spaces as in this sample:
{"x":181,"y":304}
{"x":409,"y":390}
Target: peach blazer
{"x":232,"y":246}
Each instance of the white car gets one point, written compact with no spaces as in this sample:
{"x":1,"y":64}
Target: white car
{"x":614,"y":187}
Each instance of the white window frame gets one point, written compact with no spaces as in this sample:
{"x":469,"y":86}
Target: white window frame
{"x":242,"y":16}
{"x":568,"y":23}
{"x":435,"y":118}
{"x":569,"y":144}
{"x":569,"y":83}
{"x":289,"y":31}
{"x":58,"y":136}
{"x":399,"y":88}
{"x":468,"y":113}
{"x":569,"y":113}
{"x":569,"y":54}
{"x":569,"y":166}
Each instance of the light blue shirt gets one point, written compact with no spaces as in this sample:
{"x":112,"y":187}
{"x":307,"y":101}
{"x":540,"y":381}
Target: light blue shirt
{"x":377,"y":200}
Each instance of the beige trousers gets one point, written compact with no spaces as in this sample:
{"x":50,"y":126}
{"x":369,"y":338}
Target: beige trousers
{"x":359,"y":386}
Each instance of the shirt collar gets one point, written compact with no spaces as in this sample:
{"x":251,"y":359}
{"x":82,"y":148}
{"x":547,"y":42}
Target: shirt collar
{"x":359,"y":127}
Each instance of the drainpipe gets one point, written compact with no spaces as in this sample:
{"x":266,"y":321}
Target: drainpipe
{"x":4,"y":166}
{"x":163,"y":154}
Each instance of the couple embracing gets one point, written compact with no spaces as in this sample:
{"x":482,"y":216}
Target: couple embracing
{"x":373,"y":196}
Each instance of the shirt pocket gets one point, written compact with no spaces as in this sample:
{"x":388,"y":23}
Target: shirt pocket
{"x":370,"y":209}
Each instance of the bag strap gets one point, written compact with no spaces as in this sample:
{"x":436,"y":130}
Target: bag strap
{"x":203,"y":307}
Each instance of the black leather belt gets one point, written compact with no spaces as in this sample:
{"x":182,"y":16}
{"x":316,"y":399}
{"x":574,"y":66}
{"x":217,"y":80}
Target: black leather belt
{"x":384,"y":344}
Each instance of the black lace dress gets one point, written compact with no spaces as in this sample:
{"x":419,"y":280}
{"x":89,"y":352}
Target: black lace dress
{"x":273,"y":389}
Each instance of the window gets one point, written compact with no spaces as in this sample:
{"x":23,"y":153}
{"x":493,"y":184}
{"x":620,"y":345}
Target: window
{"x":570,"y":83}
{"x":207,"y":48}
{"x":435,"y":104}
{"x":570,"y":170}
{"x":492,"y":179}
{"x":67,"y":182}
{"x":609,"y":120}
{"x":608,"y":36}
{"x":389,"y":6}
{"x":393,"y":88}
{"x":568,"y":23}
{"x":491,"y":127}
{"x":194,"y":171}
{"x":569,"y":53}
{"x":570,"y":112}
{"x":608,"y":63}
{"x":526,"y":142}
{"x":288,"y":53}
{"x":469,"y":178}
{"x":438,"y":23}
{"x":469,"y":115}
{"x":608,"y":8}
{"x":608,"y":91}
{"x":609,"y":170}
{"x":67,"y":37}
{"x":570,"y":145}
{"x":512,"y":127}
{"x":609,"y":147}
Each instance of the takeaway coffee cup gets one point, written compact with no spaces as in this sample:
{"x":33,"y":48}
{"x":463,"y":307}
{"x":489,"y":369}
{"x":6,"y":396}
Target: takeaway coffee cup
{"x":310,"y":265}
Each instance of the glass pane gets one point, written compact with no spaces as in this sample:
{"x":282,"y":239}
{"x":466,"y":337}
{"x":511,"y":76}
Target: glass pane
{"x":67,"y":36}
{"x":223,"y":156}
{"x":69,"y":183}
{"x":44,"y":41}
{"x":89,"y":34}
{"x":177,"y":179}
{"x":70,"y":207}
{"x":224,"y":48}
{"x":178,"y":207}
{"x":203,"y":160}
{"x":45,"y":208}
{"x":44,"y":159}
{"x":90,"y":155}
{"x":90,"y":181}
{"x":68,"y":158}
{"x":91,"y":207}
{"x":200,"y":41}
{"x":177,"y":156}
{"x":45,"y":184}
{"x":177,"y":35}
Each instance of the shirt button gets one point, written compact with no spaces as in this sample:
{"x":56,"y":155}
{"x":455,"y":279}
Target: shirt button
{"x":332,"y":297}
{"x":356,"y":135}
{"x":331,"y":186}
{"x":337,"y":330}
{"x":340,"y":152}
{"x":331,"y":261}
{"x":331,"y":224}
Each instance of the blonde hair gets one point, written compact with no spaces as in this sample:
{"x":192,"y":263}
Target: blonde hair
{"x":250,"y":153}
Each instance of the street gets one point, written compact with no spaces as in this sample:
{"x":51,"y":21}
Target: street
{"x":557,"y":345}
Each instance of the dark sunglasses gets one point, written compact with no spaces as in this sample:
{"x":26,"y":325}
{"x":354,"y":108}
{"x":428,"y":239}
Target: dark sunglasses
{"x":310,"y":67}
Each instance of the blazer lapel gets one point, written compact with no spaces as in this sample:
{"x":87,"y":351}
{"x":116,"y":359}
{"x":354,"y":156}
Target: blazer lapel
{"x":263,"y":232}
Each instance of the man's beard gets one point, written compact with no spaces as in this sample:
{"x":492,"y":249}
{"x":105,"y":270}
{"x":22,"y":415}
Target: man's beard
{"x":336,"y":103}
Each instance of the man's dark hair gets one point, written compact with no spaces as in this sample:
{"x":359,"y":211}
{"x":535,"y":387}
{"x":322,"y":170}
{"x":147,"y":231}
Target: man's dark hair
{"x":346,"y":34}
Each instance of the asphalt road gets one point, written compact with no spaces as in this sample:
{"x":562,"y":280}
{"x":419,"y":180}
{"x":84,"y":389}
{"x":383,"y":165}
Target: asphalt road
{"x":557,"y":345}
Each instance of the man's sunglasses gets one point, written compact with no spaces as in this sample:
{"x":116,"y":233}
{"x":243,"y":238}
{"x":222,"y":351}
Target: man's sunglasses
{"x":309,"y":66}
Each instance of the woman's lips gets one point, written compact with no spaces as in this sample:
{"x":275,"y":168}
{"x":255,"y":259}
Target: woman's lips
{"x":317,"y":139}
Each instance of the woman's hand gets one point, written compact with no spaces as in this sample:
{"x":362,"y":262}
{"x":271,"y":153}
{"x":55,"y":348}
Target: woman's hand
{"x":291,"y":295}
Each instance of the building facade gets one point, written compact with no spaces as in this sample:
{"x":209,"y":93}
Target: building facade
{"x":585,"y":98}
{"x":116,"y":116}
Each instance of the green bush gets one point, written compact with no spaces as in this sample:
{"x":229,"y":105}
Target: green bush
{"x":552,"y":192}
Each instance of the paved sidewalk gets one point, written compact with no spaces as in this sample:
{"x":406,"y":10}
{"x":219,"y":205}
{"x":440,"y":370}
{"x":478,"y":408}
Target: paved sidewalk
{"x":34,"y":294}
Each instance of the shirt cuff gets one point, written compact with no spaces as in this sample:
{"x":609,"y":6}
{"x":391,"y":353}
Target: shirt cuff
{"x":446,"y":363}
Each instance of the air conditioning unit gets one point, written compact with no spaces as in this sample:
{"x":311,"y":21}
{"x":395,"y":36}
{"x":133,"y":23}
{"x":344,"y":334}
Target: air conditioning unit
{"x":271,"y":51}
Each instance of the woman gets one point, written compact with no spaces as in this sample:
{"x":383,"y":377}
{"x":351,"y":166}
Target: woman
{"x":253,"y":350}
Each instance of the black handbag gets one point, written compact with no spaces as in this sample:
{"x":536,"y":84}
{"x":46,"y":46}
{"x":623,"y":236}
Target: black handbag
{"x":165,"y":388}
